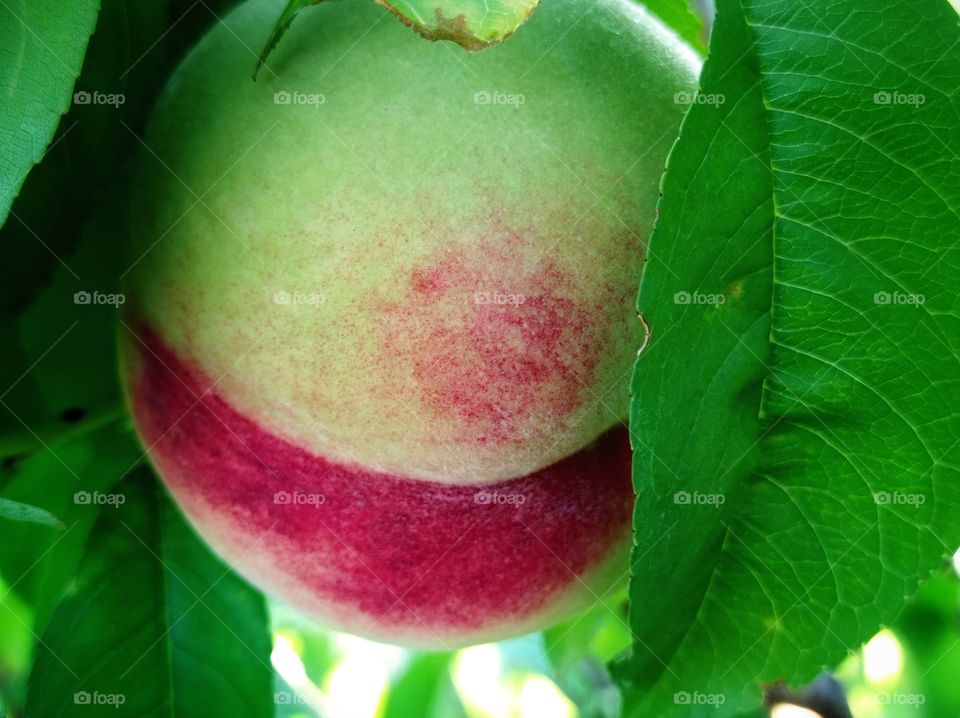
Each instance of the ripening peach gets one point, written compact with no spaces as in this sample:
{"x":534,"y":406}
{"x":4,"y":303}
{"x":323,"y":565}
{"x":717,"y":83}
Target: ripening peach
{"x":381,"y":322}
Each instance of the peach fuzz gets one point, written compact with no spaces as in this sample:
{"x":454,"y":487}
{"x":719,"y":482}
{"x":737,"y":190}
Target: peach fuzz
{"x":380,"y":322}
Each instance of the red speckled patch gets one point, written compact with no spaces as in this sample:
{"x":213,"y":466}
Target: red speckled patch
{"x":398,"y":550}
{"x":496,"y":341}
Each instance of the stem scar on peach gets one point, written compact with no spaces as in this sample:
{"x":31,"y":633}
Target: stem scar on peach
{"x":381,"y":320}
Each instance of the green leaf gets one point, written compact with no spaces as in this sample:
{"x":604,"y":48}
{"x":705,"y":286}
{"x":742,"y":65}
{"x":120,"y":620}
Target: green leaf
{"x":154,"y":624}
{"x":283,"y":23}
{"x":710,"y":394}
{"x":19,"y":511}
{"x":58,"y":366}
{"x":794,"y":417}
{"x":43,"y":45}
{"x":424,"y":683}
{"x":678,"y":15}
{"x":129,"y":57}
{"x":57,"y":477}
{"x":16,"y":650}
{"x":62,"y":425}
{"x":930,"y":636}
{"x":578,"y":649}
{"x":117,"y":84}
{"x":472,"y":24}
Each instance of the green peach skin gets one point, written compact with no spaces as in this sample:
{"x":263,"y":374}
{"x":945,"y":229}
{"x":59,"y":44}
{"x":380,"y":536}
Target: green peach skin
{"x":406,"y":196}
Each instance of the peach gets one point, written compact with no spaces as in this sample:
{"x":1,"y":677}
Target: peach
{"x":380,"y":324}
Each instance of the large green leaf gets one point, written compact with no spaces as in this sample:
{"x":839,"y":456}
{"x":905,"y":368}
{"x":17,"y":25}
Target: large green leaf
{"x":43,"y":44}
{"x":795,"y":415}
{"x":154,"y":624}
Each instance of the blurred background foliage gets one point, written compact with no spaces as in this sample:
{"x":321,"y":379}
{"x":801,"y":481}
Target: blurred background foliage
{"x":906,"y":671}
